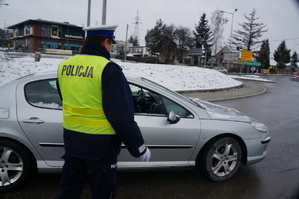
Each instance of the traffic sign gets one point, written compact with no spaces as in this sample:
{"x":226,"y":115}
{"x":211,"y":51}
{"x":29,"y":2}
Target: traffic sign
{"x":195,"y":51}
{"x":251,"y":63}
{"x":246,"y":55}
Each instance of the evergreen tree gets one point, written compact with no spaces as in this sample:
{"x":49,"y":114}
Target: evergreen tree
{"x":248,"y":37}
{"x":294,"y":59}
{"x":203,"y":35}
{"x":154,"y":37}
{"x":3,"y":38}
{"x":134,"y":41}
{"x":161,"y":41}
{"x":264,"y":55}
{"x":282,"y":55}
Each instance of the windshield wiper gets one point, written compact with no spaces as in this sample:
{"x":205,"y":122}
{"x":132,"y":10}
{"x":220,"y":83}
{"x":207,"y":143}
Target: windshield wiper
{"x":198,"y":104}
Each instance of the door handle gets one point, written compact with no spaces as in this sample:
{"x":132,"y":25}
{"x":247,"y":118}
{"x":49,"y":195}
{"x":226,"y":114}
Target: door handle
{"x":33,"y":120}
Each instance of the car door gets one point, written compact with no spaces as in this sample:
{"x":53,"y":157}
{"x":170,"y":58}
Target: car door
{"x":170,"y":144}
{"x":40,"y":116}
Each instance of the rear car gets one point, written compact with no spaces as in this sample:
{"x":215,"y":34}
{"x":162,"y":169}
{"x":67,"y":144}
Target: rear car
{"x":220,"y":69}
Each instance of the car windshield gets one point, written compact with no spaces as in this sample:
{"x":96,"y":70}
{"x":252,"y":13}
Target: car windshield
{"x":172,"y":92}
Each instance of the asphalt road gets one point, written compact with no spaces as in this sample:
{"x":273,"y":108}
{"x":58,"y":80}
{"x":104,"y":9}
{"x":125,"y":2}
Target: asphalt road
{"x":276,"y":177}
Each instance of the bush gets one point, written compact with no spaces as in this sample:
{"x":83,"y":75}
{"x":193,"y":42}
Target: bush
{"x":234,"y":69}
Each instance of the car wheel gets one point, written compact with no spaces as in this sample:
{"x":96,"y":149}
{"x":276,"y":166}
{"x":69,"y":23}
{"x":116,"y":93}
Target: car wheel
{"x":222,"y":159}
{"x":16,"y":165}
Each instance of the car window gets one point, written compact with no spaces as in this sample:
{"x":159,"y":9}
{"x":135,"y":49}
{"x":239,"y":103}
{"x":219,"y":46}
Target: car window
{"x":181,"y":97}
{"x":43,"y":94}
{"x":150,"y":102}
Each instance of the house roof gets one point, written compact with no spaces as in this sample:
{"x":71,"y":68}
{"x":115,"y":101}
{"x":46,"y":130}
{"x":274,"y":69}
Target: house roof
{"x":226,"y":49}
{"x":42,"y":21}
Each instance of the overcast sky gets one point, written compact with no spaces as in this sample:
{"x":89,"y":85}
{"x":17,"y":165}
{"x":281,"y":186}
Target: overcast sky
{"x":280,"y":16}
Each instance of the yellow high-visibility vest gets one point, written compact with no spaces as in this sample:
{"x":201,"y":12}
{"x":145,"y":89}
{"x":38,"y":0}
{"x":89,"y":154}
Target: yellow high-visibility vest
{"x":80,"y":82}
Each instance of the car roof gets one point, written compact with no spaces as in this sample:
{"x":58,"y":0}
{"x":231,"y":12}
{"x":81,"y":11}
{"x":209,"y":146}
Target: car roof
{"x":53,"y":74}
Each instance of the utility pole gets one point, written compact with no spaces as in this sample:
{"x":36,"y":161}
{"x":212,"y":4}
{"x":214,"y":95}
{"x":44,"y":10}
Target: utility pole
{"x":231,"y":33}
{"x":126,"y":42}
{"x":104,"y":12}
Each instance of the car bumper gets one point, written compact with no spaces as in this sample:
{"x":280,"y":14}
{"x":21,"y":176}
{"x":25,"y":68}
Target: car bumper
{"x":258,"y":151}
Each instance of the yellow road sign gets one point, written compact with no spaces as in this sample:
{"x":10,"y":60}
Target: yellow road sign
{"x":246,"y":55}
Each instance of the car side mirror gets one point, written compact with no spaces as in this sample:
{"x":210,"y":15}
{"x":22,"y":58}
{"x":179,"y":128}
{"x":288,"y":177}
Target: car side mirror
{"x":173,"y":118}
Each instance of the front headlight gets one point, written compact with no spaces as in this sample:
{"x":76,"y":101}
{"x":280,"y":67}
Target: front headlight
{"x":259,"y":126}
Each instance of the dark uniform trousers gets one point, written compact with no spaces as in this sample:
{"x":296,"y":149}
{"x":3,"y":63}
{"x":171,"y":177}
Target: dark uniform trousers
{"x":101,"y":175}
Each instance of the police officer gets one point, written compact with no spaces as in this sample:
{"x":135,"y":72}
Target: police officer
{"x":98,"y":115}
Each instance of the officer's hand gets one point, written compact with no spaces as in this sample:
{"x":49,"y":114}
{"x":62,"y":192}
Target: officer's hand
{"x":146,"y":156}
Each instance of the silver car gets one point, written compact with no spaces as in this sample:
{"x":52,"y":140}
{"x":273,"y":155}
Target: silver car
{"x":181,"y":132}
{"x":220,"y":69}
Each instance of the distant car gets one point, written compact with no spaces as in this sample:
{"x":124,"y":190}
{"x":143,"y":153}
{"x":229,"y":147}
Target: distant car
{"x":220,"y":69}
{"x":181,"y":132}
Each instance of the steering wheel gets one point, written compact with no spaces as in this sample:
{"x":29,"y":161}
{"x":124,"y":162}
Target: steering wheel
{"x":141,"y":97}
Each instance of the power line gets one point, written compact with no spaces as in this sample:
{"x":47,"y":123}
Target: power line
{"x":138,"y":28}
{"x":284,"y":39}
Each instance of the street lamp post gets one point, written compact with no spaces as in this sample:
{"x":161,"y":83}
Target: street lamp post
{"x":104,"y":12}
{"x":88,"y":13}
{"x":231,"y":33}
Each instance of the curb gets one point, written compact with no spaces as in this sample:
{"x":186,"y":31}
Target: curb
{"x":247,"y":90}
{"x":210,"y":90}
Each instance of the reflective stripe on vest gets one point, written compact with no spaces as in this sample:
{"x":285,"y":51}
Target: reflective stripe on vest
{"x":80,"y":79}
{"x":83,"y":111}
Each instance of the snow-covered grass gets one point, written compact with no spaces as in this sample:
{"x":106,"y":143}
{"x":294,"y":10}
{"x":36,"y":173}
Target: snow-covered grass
{"x":175,"y":77}
{"x":182,"y":78}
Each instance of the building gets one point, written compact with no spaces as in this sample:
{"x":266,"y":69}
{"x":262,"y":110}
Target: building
{"x":47,"y":36}
{"x":138,"y":51}
{"x":226,"y":55}
{"x":121,"y":47}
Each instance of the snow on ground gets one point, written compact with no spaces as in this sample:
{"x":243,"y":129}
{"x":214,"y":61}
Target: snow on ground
{"x":175,"y":77}
{"x":181,"y":78}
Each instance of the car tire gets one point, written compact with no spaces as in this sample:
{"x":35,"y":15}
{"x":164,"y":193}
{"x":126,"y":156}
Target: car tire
{"x":16,"y":165}
{"x":222,"y":159}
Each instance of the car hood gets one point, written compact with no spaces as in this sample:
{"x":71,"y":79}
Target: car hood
{"x":218,"y":112}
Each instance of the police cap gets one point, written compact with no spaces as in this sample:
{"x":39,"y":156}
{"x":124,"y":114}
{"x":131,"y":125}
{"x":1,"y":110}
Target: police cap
{"x":103,"y":30}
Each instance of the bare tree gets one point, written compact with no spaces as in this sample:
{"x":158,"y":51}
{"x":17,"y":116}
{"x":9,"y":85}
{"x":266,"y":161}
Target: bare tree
{"x":217,"y":23}
{"x":248,"y":37}
{"x":169,"y":47}
{"x":184,"y":40}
